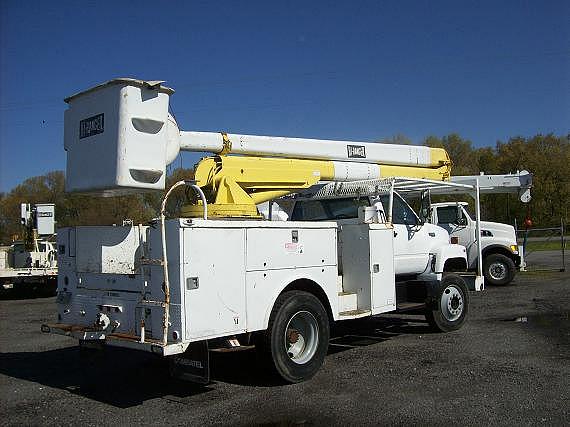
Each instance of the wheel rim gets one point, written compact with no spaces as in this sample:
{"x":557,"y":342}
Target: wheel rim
{"x":452,"y":303}
{"x":301,"y":337}
{"x":497,"y":271}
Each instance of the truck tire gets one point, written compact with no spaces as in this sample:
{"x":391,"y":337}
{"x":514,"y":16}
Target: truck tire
{"x":297,"y":337}
{"x":450,"y":305}
{"x":498,"y":269}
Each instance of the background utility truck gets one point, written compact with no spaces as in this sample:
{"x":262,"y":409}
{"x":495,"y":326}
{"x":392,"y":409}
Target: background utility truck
{"x":32,"y":262}
{"x":220,"y":276}
{"x":502,"y":256}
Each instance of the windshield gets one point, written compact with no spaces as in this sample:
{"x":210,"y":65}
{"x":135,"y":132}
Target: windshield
{"x":19,"y":247}
{"x":332,"y":209}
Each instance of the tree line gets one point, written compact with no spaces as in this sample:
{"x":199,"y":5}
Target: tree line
{"x":547,"y":157}
{"x":77,"y":209}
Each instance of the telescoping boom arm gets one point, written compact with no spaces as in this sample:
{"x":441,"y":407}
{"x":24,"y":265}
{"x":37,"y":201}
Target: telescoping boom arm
{"x":119,"y":138}
{"x":315,"y":149}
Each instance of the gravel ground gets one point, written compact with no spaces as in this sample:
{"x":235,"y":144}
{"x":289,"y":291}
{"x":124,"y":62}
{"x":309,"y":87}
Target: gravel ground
{"x":548,"y":260}
{"x":509,"y":365}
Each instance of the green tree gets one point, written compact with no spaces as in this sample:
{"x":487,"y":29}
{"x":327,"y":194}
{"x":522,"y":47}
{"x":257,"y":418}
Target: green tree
{"x":546,"y":156}
{"x":75,"y":209}
{"x":460,"y":151}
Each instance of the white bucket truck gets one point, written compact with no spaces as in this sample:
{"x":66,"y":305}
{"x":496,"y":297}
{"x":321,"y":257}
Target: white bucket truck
{"x":31,"y":263}
{"x":220,"y":276}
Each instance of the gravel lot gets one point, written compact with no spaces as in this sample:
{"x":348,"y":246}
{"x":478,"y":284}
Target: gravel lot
{"x":509,"y":365}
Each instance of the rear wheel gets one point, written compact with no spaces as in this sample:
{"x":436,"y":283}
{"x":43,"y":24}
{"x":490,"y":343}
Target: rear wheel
{"x":498,"y":269}
{"x":297,"y":338}
{"x":449,"y":311}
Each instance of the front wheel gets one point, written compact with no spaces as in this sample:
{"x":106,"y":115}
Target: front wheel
{"x":498,"y":269}
{"x":451,"y":304}
{"x":297,"y":338}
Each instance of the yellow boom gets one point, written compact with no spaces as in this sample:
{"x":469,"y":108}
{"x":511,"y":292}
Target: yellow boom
{"x":234,"y":185}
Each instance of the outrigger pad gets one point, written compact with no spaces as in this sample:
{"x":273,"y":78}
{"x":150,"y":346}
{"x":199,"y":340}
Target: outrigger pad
{"x":192,"y":365}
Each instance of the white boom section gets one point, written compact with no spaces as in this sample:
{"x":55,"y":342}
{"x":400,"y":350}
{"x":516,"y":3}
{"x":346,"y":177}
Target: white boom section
{"x":520,"y":182}
{"x":402,"y":185}
{"x":306,"y":148}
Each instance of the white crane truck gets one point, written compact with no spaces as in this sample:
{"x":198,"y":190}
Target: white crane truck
{"x":502,"y":256}
{"x":219,"y":276}
{"x":31,"y":263}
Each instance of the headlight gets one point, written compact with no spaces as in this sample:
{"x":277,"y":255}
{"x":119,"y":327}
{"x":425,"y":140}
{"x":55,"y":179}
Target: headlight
{"x":515,"y":249}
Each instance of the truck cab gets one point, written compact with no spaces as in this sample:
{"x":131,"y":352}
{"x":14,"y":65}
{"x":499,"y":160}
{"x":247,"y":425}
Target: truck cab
{"x":43,"y":255}
{"x":500,"y":251}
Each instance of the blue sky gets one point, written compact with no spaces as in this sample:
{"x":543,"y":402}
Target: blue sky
{"x":359,"y":70}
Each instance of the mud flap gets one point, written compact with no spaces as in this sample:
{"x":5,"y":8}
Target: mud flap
{"x":192,"y":365}
{"x":432,"y":292}
{"x":418,"y":291}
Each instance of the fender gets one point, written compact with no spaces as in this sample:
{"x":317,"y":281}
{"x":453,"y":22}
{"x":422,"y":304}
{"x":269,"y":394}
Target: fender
{"x":500,"y":249}
{"x":445,"y":253}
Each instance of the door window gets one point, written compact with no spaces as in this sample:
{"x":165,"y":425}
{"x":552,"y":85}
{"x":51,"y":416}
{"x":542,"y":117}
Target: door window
{"x":401,"y":212}
{"x":447,"y":215}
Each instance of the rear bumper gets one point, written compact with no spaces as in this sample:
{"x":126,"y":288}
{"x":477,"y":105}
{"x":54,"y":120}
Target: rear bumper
{"x":115,"y":339}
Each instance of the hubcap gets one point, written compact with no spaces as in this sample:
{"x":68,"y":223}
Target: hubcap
{"x":498,"y":271}
{"x":301,"y":337}
{"x":451,"y":303}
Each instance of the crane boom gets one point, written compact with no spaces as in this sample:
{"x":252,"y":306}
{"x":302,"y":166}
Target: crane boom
{"x":234,"y":185}
{"x":314,"y":149}
{"x":519,"y":182}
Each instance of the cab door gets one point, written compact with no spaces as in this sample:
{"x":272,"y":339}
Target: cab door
{"x":448,"y":218}
{"x":412,"y":240}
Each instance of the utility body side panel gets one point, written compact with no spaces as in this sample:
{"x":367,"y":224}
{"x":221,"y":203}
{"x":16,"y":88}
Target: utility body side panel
{"x":224,"y":276}
{"x":231,"y":272}
{"x":214,"y":282}
{"x":368,"y":267}
{"x":107,"y":249}
{"x":291,"y":247}
{"x":83,"y":295}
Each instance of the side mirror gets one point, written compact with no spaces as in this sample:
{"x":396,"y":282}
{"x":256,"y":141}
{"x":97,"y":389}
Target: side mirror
{"x":425,"y":206}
